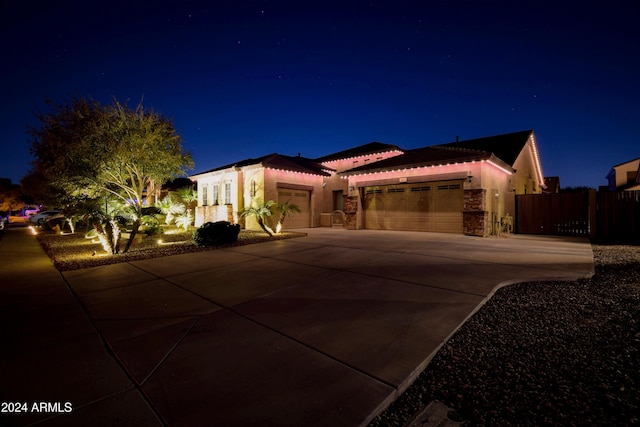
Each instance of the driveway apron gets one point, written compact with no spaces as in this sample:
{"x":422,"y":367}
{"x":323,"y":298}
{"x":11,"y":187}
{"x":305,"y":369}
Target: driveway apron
{"x":320,"y":330}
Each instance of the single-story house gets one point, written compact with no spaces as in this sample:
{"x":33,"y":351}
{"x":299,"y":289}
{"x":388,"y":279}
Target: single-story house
{"x":460,"y":187}
{"x":625,"y":176}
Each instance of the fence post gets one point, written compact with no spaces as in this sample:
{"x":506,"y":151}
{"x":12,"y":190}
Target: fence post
{"x":593,"y":214}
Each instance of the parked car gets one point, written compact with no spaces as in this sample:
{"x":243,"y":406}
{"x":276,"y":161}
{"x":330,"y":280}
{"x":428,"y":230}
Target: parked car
{"x":41,"y":217}
{"x":54,"y":220}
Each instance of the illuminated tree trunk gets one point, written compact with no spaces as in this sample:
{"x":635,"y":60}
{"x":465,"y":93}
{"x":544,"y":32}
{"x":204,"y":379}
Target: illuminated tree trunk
{"x":265,"y":227}
{"x":109,"y":235}
{"x":134,"y":231}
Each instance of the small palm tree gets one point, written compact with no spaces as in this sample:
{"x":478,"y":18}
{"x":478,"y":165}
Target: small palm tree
{"x":170,"y":207}
{"x":261,"y":211}
{"x":286,"y":209}
{"x":184,"y":220}
{"x":189,"y":196}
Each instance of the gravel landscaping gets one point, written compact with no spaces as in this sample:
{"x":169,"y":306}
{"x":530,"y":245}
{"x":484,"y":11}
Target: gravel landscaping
{"x":74,"y":251}
{"x":543,"y":353}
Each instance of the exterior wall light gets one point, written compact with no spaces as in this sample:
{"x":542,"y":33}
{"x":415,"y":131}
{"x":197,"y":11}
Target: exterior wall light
{"x":469,"y":177}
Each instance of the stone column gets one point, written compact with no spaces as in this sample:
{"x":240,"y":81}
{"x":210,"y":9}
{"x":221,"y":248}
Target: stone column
{"x":350,"y":212}
{"x":475,"y":218}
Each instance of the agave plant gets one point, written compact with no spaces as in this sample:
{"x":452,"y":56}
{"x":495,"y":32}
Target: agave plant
{"x":260,"y":211}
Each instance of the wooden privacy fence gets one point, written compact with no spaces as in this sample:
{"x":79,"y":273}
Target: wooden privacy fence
{"x":564,"y":214}
{"x":618,"y":216}
{"x":603,"y":215}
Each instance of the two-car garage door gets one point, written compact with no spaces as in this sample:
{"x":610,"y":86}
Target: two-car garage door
{"x":429,"y":206}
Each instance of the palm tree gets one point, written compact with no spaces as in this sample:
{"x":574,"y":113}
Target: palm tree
{"x":170,"y":207}
{"x":261,"y":211}
{"x":285,"y":209}
{"x":184,"y":220}
{"x":188,"y":195}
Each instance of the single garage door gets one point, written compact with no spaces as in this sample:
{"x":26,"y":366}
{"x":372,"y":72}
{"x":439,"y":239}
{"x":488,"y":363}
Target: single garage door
{"x":300,"y":198}
{"x":429,"y":206}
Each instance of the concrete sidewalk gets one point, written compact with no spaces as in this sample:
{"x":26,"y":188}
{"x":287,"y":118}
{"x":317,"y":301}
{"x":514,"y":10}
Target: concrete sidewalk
{"x":322,"y":330}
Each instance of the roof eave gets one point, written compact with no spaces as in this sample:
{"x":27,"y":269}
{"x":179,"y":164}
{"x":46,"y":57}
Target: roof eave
{"x":360,"y":171}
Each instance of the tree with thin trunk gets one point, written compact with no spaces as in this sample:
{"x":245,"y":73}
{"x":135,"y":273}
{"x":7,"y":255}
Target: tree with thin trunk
{"x":109,"y":151}
{"x":286,"y":209}
{"x":260,"y":211}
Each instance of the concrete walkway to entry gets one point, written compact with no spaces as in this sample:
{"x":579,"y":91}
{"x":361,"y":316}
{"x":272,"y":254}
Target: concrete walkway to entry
{"x":321,"y":330}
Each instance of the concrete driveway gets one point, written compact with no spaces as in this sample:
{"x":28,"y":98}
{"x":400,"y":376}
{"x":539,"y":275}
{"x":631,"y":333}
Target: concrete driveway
{"x":322,"y":330}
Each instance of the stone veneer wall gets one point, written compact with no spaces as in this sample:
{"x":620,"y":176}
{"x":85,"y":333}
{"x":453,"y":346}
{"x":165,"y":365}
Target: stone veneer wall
{"x":350,"y":212}
{"x":475,"y":218}
{"x":213,"y":213}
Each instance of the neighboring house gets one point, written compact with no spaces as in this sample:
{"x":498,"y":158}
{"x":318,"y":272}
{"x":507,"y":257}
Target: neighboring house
{"x":462,"y":187}
{"x":625,"y":176}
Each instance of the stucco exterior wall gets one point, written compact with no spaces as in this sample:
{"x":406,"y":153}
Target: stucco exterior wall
{"x":252,"y":189}
{"x":526,"y":179}
{"x":331,"y":184}
{"x":498,"y":196}
{"x":288,"y":179}
{"x":336,"y":183}
{"x":216,"y":209}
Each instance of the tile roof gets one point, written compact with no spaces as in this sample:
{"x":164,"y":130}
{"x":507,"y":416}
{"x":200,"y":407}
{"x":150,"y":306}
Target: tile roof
{"x":297,"y":164}
{"x":279,"y":161}
{"x":506,"y":147}
{"x":361,"y":150}
{"x":503,"y":148}
{"x":427,"y":156}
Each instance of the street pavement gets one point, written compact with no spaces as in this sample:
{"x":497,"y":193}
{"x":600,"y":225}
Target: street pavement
{"x":323,"y":330}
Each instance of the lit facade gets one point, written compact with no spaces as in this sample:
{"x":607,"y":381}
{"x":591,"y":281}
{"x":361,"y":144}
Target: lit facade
{"x":463,"y":187}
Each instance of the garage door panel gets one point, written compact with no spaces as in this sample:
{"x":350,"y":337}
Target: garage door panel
{"x":300,"y":198}
{"x":434,"y":206}
{"x":395,"y":220}
{"x":421,"y":222}
{"x":374,"y":208}
{"x":449,"y":223}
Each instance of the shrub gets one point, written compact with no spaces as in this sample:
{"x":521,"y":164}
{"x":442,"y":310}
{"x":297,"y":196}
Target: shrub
{"x":216,"y":233}
{"x":151,"y":210}
{"x":150,"y":225}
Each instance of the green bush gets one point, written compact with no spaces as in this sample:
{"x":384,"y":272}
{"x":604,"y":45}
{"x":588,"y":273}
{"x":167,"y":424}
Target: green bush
{"x":216,"y":233}
{"x":150,"y":210}
{"x":150,"y":225}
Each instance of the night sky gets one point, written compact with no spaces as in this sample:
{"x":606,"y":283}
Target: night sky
{"x":247,"y":78}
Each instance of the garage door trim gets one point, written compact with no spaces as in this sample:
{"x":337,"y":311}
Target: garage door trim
{"x":290,"y":186}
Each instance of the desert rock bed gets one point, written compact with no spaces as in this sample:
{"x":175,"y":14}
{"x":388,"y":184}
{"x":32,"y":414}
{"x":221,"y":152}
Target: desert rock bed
{"x":543,"y":353}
